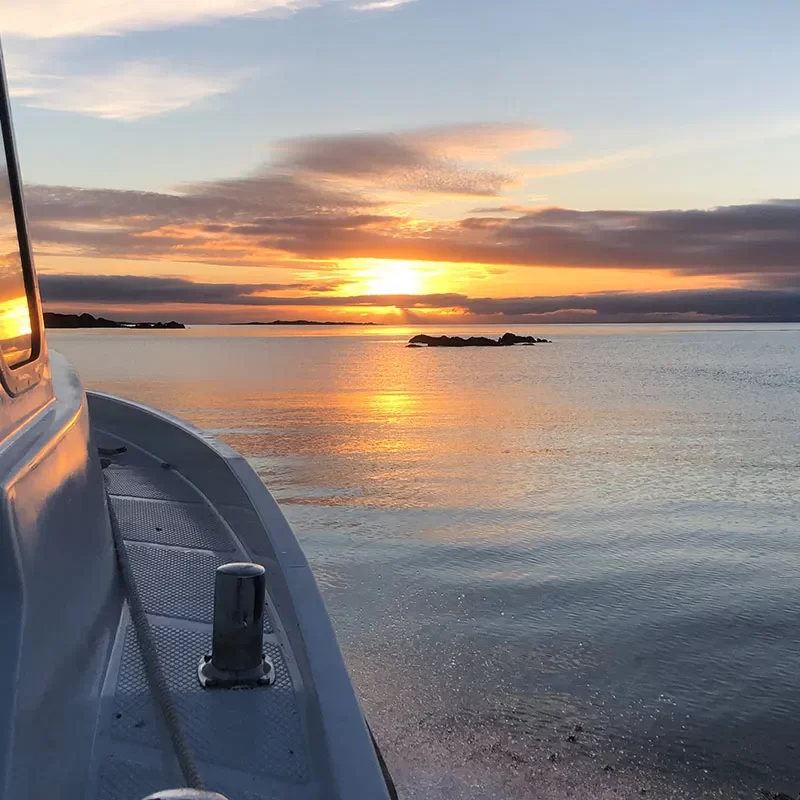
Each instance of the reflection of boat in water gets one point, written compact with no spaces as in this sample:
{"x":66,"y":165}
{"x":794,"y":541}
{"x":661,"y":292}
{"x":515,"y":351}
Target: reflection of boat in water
{"x":117,"y":521}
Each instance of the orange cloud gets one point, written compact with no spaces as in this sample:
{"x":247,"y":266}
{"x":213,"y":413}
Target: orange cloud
{"x":327,"y":208}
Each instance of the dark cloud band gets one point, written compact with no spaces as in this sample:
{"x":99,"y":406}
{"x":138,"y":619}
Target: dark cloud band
{"x":754,"y":305}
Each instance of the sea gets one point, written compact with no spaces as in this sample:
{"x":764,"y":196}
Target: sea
{"x":570,"y":570}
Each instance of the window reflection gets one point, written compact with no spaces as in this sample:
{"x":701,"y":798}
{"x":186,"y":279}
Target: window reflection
{"x":15,"y":316}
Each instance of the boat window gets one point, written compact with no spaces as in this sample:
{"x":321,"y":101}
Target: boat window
{"x":15,"y":313}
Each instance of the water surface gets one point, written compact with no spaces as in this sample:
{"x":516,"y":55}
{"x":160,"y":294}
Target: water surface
{"x":565,"y":570}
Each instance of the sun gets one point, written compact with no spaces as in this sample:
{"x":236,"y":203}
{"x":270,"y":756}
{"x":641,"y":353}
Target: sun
{"x":384,"y":276}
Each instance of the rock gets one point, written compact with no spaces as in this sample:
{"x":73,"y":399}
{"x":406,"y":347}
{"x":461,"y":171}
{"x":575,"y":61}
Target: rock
{"x":506,"y":340}
{"x":55,"y":320}
{"x":477,"y":341}
{"x":512,"y":338}
{"x":572,"y":738}
{"x":159,"y":326}
{"x":579,"y":729}
{"x":453,"y":341}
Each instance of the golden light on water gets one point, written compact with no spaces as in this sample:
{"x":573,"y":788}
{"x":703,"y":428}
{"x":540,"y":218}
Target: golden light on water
{"x":392,"y":406}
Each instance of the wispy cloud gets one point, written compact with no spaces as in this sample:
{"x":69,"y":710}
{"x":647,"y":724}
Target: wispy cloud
{"x":57,"y":18}
{"x":381,"y":5}
{"x":681,"y":143}
{"x":483,"y":141}
{"x":43,"y":19}
{"x":131,"y":91}
{"x":469,"y":160}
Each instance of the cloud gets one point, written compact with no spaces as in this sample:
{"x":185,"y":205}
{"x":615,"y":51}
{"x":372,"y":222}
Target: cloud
{"x":734,"y":240}
{"x":427,"y":160}
{"x":327,"y":198}
{"x":135,"y":289}
{"x":231,"y":201}
{"x":684,"y":141}
{"x":756,"y":241}
{"x":40,"y":19}
{"x":381,"y":5}
{"x":753,"y":305}
{"x":508,"y":208}
{"x":483,"y":141}
{"x":57,"y":18}
{"x":749,"y":305}
{"x":130,"y":290}
{"x":256,"y":219}
{"x":133,"y":90}
{"x":317,"y":193}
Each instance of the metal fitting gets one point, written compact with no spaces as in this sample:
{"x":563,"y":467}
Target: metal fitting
{"x":237,"y":658}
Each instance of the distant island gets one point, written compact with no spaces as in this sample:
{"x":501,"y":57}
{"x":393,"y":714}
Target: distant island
{"x":506,"y":340}
{"x":53,"y":320}
{"x":301,"y":322}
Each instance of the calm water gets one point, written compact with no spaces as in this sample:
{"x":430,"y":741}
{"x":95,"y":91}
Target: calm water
{"x":571,"y":570}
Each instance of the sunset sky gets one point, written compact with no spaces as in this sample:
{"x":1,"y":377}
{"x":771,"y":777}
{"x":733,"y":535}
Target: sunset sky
{"x":410,"y":161}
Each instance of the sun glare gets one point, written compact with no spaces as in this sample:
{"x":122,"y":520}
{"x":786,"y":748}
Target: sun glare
{"x":15,"y":318}
{"x":393,"y":277}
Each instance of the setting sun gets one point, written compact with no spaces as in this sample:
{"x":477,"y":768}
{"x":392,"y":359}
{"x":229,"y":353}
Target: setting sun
{"x":393,"y":277}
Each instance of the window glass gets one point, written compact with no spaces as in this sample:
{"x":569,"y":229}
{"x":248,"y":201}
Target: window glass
{"x":15,"y":315}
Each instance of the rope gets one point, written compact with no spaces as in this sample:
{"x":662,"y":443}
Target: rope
{"x":152,"y":665}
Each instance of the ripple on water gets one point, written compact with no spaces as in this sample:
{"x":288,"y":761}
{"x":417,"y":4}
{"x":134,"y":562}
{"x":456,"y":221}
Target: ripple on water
{"x":600,"y":534}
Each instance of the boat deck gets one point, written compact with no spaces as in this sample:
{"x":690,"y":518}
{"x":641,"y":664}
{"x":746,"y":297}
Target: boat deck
{"x":249,"y":744}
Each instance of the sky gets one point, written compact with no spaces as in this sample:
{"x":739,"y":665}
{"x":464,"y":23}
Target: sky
{"x":411,"y":161}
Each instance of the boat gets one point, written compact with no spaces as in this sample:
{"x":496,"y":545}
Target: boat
{"x":162,"y":635}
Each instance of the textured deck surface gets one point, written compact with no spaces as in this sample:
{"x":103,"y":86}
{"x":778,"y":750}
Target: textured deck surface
{"x":250,"y":744}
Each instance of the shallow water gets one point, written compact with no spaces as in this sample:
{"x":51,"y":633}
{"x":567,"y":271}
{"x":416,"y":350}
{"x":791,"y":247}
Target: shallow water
{"x":568,"y":570}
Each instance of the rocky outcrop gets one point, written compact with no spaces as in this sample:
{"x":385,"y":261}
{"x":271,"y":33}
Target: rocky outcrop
{"x":506,"y":340}
{"x":512,"y":338}
{"x":53,"y":320}
{"x":171,"y":325}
